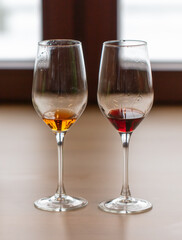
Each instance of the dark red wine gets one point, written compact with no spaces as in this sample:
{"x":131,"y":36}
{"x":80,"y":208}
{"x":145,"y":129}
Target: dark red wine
{"x":125,"y":120}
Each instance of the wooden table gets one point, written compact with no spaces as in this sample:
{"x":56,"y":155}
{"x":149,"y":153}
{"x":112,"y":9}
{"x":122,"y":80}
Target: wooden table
{"x":93,"y":170}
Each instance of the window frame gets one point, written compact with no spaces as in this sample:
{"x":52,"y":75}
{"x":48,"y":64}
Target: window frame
{"x":92,"y":22}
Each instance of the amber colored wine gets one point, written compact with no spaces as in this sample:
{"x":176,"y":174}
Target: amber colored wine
{"x":59,"y":120}
{"x":126,"y":119}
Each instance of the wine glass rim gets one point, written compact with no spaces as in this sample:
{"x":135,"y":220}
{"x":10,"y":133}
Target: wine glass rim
{"x":125,"y":43}
{"x":59,"y":43}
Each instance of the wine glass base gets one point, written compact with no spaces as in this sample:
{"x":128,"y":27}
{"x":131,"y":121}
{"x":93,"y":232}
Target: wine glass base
{"x":122,"y":205}
{"x":60,"y":204}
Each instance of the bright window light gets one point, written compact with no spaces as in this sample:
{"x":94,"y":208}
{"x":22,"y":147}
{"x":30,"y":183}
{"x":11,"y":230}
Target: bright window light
{"x":20,"y":29}
{"x":157,"y":22}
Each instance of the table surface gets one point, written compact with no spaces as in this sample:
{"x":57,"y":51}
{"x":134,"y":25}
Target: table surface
{"x":93,"y":170}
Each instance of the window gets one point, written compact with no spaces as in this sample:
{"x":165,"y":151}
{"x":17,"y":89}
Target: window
{"x":20,"y":29}
{"x":91,"y":22}
{"x":157,"y":22}
{"x":160,"y":24}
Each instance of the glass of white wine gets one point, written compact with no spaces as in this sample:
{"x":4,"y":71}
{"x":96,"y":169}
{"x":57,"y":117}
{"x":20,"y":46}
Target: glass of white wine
{"x":59,"y":96}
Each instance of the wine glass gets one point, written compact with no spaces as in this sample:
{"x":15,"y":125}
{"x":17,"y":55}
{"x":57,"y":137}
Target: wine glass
{"x":125,"y":97}
{"x":59,"y":96}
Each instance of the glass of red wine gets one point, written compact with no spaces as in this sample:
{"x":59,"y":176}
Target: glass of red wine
{"x":59,"y":96}
{"x":125,"y":97}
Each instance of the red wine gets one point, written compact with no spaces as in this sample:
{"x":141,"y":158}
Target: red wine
{"x":126,"y":119}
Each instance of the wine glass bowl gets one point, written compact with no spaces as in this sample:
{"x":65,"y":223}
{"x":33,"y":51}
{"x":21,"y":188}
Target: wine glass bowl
{"x":59,"y":96}
{"x":125,"y":97}
{"x":125,"y":79}
{"x":59,"y":77}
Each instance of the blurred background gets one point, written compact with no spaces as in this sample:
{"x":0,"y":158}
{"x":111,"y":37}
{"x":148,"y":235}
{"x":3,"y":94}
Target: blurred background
{"x":24,"y":23}
{"x":28,"y":159}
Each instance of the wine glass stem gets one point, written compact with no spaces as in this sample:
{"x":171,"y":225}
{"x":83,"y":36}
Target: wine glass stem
{"x":60,"y":141}
{"x":125,"y":138}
